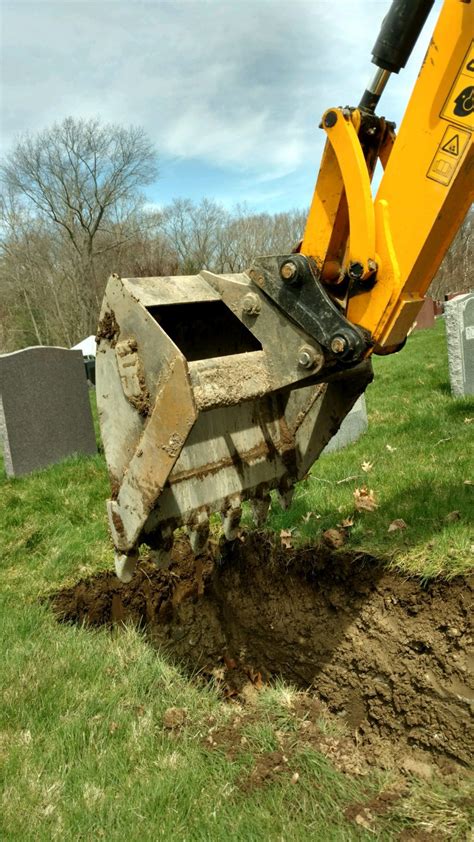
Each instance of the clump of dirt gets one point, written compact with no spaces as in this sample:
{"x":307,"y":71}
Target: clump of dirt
{"x":269,"y":766}
{"x":142,"y":402}
{"x":382,"y":804}
{"x":388,"y":654}
{"x":108,"y":328}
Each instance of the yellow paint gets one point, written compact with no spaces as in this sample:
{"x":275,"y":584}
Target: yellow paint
{"x":324,"y":210}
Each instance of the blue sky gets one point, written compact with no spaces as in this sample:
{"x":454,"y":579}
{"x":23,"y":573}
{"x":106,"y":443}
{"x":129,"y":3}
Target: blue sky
{"x":230,"y":91}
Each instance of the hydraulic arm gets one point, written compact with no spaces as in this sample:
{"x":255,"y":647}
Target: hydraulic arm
{"x":379,"y":256}
{"x":215,"y":389}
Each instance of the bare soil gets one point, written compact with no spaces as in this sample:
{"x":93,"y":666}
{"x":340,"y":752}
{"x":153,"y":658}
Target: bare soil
{"x":388,"y":654}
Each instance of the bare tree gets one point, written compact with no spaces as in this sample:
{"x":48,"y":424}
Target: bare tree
{"x":192,"y":231}
{"x":85,"y":178}
{"x":455,"y":273}
{"x":149,"y":253}
{"x":205,"y":235}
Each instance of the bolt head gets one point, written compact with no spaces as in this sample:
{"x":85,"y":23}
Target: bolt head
{"x":256,"y":277}
{"x":289,"y":270}
{"x":338,"y":345}
{"x":304,"y":359}
{"x":251,"y":304}
{"x":356,"y":270}
{"x":330,"y":119}
{"x":309,"y":357}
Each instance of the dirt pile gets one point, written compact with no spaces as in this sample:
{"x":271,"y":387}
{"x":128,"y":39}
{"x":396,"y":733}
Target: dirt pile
{"x":386,"y":653}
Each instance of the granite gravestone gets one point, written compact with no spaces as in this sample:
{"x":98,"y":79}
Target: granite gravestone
{"x":355,"y":423}
{"x":45,"y":413}
{"x":460,"y":336}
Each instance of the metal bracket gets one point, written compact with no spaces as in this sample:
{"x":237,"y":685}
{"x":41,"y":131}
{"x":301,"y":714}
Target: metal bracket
{"x":293,"y":285}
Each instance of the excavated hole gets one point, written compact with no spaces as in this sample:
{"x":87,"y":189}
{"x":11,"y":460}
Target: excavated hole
{"x":386,"y":653}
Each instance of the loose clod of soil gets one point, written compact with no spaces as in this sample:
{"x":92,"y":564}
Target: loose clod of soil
{"x":388,"y":654}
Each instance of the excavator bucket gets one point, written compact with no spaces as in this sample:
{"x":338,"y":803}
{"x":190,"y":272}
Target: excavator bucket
{"x":208,"y":395}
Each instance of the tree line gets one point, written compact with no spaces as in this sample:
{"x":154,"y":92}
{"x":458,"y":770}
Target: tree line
{"x":72,"y":211}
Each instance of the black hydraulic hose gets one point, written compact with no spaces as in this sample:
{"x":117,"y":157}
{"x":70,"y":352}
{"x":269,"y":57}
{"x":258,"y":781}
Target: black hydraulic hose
{"x":398,"y":35}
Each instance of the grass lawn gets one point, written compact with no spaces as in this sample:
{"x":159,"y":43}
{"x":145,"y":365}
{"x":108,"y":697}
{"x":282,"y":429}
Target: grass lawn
{"x":420,"y":453}
{"x":84,"y":750}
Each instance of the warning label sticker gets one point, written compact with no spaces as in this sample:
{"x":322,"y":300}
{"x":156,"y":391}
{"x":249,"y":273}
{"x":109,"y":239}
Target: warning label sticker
{"x":452,"y":145}
{"x":448,"y":155}
{"x":459,"y":105}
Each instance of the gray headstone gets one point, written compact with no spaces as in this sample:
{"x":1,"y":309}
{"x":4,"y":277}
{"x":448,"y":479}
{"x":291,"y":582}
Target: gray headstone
{"x":354,"y":424}
{"x":460,"y":335}
{"x":45,"y":412}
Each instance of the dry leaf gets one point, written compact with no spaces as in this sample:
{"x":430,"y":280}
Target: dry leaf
{"x":335,"y":538}
{"x":390,"y":448}
{"x":367,"y":466}
{"x":113,"y":727}
{"x":468,"y":482}
{"x":286,"y":539}
{"x":255,"y":678}
{"x":346,"y":523}
{"x":468,"y":420}
{"x":364,"y":499}
{"x":295,"y":777}
{"x":174,"y":718}
{"x":453,"y":516}
{"x":398,"y":523}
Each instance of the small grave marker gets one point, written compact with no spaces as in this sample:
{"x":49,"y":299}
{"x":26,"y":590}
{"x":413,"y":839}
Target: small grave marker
{"x":45,"y":413}
{"x":460,"y":336}
{"x":351,"y":429}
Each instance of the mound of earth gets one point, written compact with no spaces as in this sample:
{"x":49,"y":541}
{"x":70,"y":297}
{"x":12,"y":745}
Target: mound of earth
{"x":388,"y":653}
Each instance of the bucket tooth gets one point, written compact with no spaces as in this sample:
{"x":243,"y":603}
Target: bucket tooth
{"x":125,"y":565}
{"x":231,"y":519}
{"x":285,"y":497}
{"x":259,"y":507}
{"x":198,"y":533}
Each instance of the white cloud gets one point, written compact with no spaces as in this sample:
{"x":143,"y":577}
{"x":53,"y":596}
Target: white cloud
{"x":237,"y":83}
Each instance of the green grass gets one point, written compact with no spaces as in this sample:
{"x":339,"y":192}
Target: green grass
{"x":420,"y":442}
{"x":85,"y":754}
{"x":83,"y":750}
